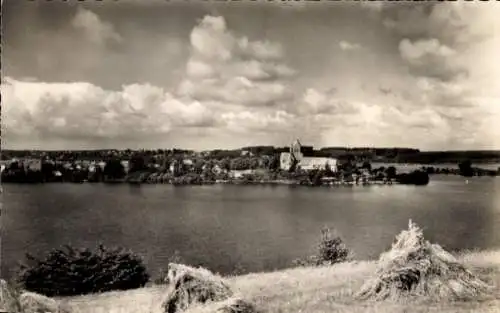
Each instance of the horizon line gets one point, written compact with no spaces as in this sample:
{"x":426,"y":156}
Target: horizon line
{"x":245,"y":147}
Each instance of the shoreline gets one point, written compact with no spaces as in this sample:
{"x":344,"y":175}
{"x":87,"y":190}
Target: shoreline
{"x":242,"y":182}
{"x":224,"y":182}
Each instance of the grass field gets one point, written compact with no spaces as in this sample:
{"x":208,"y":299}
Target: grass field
{"x":307,"y":290}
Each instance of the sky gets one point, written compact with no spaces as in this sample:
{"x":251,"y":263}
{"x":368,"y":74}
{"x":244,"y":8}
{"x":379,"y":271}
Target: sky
{"x":205,"y":75}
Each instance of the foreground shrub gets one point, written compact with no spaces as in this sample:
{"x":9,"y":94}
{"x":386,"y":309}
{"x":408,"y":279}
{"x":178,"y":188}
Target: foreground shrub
{"x":331,"y":250}
{"x":415,"y":267}
{"x":69,"y":271}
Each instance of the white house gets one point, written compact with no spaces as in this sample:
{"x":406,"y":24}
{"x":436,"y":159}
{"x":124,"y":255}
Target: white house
{"x":187,"y":162}
{"x":33,"y":164}
{"x":240,"y":173}
{"x":125,"y":165}
{"x":304,"y":162}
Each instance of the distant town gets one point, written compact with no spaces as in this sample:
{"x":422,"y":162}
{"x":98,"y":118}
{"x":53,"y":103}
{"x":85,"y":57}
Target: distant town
{"x":296,"y":164}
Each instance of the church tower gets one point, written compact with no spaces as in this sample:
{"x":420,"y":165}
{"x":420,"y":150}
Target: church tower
{"x":295,"y":150}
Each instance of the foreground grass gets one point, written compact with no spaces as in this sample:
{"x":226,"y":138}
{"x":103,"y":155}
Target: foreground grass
{"x":307,"y":290}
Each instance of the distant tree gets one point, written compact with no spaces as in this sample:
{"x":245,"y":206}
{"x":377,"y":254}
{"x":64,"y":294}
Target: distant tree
{"x":199,"y":164}
{"x":264,"y":161}
{"x":391,"y":172}
{"x":367,"y":165}
{"x":47,"y":170}
{"x":254,"y":163}
{"x":274,"y":163}
{"x":225,"y":164}
{"x":179,"y":168}
{"x":465,"y":168}
{"x":328,"y":170}
{"x":240,"y":163}
{"x":137,"y":163}
{"x":207,"y":172}
{"x":317,"y":179}
{"x":414,"y":178}
{"x":97,"y":175}
{"x":114,"y":169}
{"x":14,"y":166}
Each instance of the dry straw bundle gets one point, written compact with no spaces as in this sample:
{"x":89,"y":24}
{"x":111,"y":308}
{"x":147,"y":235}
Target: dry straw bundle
{"x":231,"y":305}
{"x":14,"y":301}
{"x":190,"y":285}
{"x":415,"y":267}
{"x":191,"y":288}
{"x":9,"y":298}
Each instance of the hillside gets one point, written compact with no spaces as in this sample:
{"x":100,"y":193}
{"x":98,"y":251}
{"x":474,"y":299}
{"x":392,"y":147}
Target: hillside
{"x":311,"y":290}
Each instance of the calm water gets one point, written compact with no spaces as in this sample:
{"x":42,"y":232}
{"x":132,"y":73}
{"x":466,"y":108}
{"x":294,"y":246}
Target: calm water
{"x":256,"y":227}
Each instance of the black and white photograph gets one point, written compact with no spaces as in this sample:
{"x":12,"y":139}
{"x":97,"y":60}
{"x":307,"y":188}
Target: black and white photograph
{"x":250,"y":156}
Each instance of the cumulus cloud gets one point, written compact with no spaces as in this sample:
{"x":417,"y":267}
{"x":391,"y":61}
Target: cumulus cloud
{"x":236,"y":91}
{"x":225,"y":73}
{"x":317,"y":102}
{"x":244,"y":88}
{"x":461,"y":120}
{"x":230,"y":68}
{"x":346,"y":46}
{"x":428,"y":57}
{"x":244,"y":121}
{"x":84,"y":111}
{"x":445,"y":35}
{"x":449,"y":49}
{"x":95,"y":29}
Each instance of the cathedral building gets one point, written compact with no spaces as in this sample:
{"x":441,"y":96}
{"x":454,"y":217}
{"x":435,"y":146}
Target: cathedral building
{"x":307,"y":163}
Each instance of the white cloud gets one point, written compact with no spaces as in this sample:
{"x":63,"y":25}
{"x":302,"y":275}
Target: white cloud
{"x":428,"y":57}
{"x":242,"y":88}
{"x":236,"y":91}
{"x":450,"y":48}
{"x":348,"y":122}
{"x":225,"y":74}
{"x":228,"y":68}
{"x":346,"y":46}
{"x":245,"y":121}
{"x":82,"y":110}
{"x":316,"y":102}
{"x":96,"y":30}
{"x":414,"y":52}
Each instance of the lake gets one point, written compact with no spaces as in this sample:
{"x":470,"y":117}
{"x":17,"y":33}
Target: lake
{"x":253,"y":228}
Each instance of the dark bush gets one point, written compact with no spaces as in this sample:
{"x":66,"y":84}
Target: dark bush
{"x":414,"y":178}
{"x":69,"y":271}
{"x":331,"y":250}
{"x":465,"y":168}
